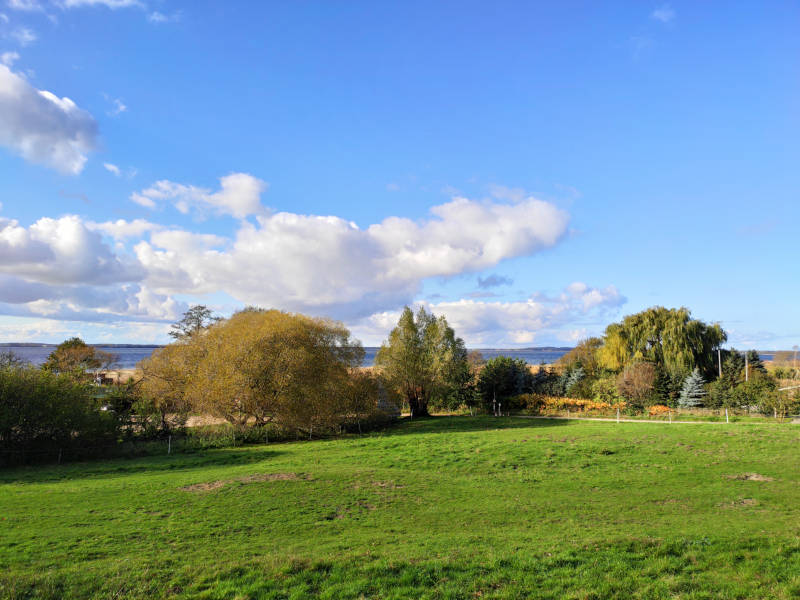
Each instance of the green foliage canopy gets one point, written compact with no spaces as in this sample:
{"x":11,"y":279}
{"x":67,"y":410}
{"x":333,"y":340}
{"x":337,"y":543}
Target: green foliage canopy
{"x":503,"y":378}
{"x":75,"y":358}
{"x":669,"y":338}
{"x":197,"y":318}
{"x":42,"y":412}
{"x":423,"y":359}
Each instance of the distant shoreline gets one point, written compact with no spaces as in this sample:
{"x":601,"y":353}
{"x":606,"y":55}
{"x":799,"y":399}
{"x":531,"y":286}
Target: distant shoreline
{"x":100,"y":345}
{"x":43,"y":345}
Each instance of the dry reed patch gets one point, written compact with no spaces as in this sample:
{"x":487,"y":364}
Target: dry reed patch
{"x":211,"y":486}
{"x":749,"y":477}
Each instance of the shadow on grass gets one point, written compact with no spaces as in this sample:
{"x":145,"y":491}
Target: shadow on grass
{"x":249,"y":454}
{"x":463,"y":424}
{"x":115,"y":467}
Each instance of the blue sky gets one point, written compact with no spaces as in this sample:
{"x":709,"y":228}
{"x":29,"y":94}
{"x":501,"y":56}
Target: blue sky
{"x":531,"y":171}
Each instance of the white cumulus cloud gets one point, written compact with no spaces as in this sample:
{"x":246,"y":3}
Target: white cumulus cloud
{"x":62,"y":251}
{"x":325,"y":264}
{"x":43,"y":128}
{"x":123,"y":230}
{"x":135,"y":270}
{"x":239,"y":196}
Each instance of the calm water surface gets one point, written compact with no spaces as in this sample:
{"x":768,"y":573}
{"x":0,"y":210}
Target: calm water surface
{"x":128,"y":357}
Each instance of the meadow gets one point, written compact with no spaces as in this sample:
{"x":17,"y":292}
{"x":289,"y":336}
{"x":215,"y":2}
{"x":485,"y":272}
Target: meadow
{"x":448,"y":507}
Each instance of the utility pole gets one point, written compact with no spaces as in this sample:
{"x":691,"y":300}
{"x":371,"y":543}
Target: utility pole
{"x":746,"y":374}
{"x":719,"y":360}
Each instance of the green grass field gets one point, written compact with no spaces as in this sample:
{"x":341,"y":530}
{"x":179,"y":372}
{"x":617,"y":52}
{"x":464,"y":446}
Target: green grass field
{"x":454,"y":507}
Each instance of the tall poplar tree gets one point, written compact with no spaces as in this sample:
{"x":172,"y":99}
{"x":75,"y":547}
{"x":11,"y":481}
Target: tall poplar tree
{"x":422,"y":358}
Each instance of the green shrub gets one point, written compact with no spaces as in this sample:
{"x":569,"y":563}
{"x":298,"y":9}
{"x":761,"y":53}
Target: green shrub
{"x":42,"y":413}
{"x":604,"y":389}
{"x":501,"y":379}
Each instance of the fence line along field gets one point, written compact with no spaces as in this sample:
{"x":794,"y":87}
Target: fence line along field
{"x":448,"y":507}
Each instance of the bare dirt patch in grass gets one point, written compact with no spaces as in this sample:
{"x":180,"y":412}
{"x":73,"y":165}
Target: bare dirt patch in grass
{"x":750,"y":477}
{"x":208,"y":486}
{"x":668,"y":501}
{"x":739,"y":502}
{"x":391,"y":485}
{"x":270,"y":477}
{"x":211,"y":486}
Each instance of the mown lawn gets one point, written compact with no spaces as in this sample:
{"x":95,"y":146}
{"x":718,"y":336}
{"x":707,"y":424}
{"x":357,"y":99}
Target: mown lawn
{"x":453,"y":507}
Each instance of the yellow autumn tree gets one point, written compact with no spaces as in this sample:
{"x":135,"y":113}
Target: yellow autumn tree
{"x":165,"y":380}
{"x":261,"y":366}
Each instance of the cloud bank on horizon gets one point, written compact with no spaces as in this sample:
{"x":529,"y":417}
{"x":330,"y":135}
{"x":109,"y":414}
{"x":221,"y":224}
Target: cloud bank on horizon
{"x":70,"y":269}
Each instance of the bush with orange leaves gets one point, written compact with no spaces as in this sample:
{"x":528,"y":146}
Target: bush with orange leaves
{"x":538,"y":403}
{"x":657,"y":410}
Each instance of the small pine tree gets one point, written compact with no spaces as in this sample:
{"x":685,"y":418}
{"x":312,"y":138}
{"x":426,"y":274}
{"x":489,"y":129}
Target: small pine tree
{"x":573,"y":379}
{"x":662,"y":388}
{"x":755,"y":363}
{"x":692,"y":391}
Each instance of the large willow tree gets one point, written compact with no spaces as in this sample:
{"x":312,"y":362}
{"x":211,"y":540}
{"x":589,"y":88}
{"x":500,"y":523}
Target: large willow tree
{"x":667,"y":337}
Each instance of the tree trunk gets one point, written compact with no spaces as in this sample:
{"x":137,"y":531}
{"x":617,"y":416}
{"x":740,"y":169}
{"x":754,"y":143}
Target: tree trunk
{"x":418,"y":406}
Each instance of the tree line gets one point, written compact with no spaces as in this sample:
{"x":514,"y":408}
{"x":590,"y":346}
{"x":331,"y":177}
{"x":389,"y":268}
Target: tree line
{"x":259,"y":370}
{"x":268,"y":368}
{"x":659,"y":357}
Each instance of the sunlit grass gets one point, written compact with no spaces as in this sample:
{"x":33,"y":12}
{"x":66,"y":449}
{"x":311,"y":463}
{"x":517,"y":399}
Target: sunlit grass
{"x":454,"y":507}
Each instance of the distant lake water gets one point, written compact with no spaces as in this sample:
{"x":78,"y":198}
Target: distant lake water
{"x":128,"y":357}
{"x":532,"y":356}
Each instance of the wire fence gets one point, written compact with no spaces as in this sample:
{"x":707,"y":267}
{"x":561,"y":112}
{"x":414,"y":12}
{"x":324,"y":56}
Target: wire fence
{"x":128,"y":448}
{"x":185,"y":441}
